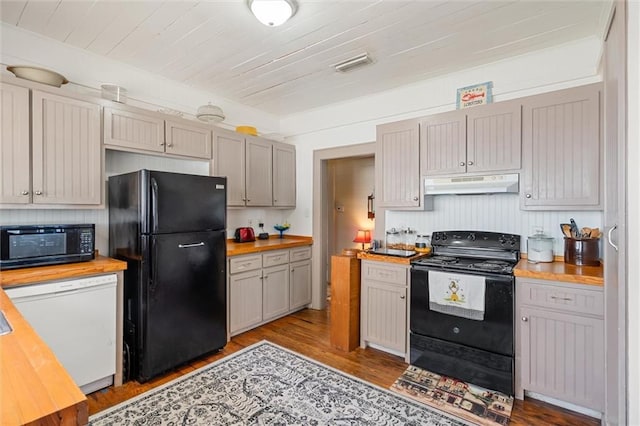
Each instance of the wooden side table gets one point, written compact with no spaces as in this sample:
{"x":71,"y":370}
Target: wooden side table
{"x":345,"y":302}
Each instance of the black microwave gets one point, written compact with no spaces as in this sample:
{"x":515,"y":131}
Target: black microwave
{"x":35,"y":245}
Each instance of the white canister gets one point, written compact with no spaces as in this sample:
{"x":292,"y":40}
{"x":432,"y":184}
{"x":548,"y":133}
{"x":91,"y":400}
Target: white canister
{"x":540,"y":247}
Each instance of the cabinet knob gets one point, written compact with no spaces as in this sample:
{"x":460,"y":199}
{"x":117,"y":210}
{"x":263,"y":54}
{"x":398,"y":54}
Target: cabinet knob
{"x":292,"y":270}
{"x":25,"y":192}
{"x":170,"y":145}
{"x":462,"y":163}
{"x":525,"y":319}
{"x":275,"y":201}
{"x":402,"y":297}
{"x":528,"y":195}
{"x":415,"y":198}
{"x":470,"y":163}
{"x":38,"y":192}
{"x":161,"y":143}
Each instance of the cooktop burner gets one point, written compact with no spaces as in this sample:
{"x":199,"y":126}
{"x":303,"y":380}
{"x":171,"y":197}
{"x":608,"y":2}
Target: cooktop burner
{"x":453,"y":263}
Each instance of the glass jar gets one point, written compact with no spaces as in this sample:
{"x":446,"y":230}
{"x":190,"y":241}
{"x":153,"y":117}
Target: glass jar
{"x":539,"y":247}
{"x":393,"y":239}
{"x":409,"y":239}
{"x":423,"y":243}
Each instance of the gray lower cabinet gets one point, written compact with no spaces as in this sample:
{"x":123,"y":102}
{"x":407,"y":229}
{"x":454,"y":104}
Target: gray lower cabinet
{"x":384,"y":314}
{"x":560,"y":341}
{"x":265,"y":286}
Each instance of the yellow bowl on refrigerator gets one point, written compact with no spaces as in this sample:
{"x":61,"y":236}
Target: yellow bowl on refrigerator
{"x":247,"y":130}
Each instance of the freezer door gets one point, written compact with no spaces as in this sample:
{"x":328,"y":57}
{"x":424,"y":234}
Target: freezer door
{"x":185,"y":203}
{"x":185,"y":312}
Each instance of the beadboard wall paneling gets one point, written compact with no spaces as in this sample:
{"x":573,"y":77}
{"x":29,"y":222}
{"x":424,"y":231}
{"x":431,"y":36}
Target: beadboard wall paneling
{"x":495,"y":213}
{"x":118,"y":162}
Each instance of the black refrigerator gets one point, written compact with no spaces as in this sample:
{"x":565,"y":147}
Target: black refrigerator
{"x":170,"y":229}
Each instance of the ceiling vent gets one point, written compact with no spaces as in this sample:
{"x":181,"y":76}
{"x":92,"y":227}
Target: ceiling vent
{"x":355,"y":62}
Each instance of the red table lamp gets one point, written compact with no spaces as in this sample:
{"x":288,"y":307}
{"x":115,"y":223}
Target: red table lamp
{"x":363,"y":236}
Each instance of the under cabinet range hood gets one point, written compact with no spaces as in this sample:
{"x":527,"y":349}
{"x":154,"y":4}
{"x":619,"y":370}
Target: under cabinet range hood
{"x":486,"y":184}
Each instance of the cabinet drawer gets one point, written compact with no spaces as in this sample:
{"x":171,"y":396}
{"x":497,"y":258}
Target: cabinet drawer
{"x":562,"y":297}
{"x":245,"y":263}
{"x":279,"y":257}
{"x":300,"y":253}
{"x":384,"y":272}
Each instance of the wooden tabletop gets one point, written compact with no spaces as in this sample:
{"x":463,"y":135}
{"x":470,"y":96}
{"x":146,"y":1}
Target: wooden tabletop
{"x":273,"y":243}
{"x":560,"y":271}
{"x":22,"y":276}
{"x":364,"y":255}
{"x":34,"y":386}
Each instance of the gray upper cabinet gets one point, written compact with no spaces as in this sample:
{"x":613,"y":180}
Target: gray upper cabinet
{"x":494,"y":137}
{"x":138,"y":130}
{"x":15,"y":161}
{"x":62,"y":163}
{"x":562,"y":150}
{"x":259,"y":172}
{"x":284,"y":175}
{"x":397,"y":165}
{"x":483,"y":139}
{"x":443,"y":144}
{"x":229,"y":160}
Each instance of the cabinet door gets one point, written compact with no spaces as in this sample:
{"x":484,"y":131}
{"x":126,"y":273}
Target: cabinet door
{"x":275,"y":287}
{"x":15,"y":161}
{"x":130,"y":129}
{"x":494,"y":137}
{"x":384,"y":315}
{"x":187,"y":139}
{"x":562,"y":150}
{"x":259,"y":172}
{"x":443,"y":144}
{"x":300,"y":284}
{"x":398,"y":165}
{"x":562,"y":356}
{"x":67,"y":154}
{"x":284,"y":175}
{"x":229,"y":160}
{"x":245,"y":300}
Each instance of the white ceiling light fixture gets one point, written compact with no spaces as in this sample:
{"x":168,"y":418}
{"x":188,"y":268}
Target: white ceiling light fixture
{"x":355,"y":62}
{"x":210,"y":113}
{"x":273,"y":12}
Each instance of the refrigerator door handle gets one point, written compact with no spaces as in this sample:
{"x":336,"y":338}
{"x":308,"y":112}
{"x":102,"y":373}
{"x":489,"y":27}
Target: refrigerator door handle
{"x":200,"y":244}
{"x":154,"y":205}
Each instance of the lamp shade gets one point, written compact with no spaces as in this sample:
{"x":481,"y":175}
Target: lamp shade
{"x":363,"y":236}
{"x":210,"y":113}
{"x":273,"y":12}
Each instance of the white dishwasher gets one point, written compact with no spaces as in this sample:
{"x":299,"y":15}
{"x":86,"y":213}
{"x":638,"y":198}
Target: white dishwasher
{"x":77,"y":320}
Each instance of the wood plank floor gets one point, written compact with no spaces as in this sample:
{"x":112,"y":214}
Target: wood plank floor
{"x":307,"y":332}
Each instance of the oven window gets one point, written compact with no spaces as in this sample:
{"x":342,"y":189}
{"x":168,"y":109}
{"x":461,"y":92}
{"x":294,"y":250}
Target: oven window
{"x":33,"y":245}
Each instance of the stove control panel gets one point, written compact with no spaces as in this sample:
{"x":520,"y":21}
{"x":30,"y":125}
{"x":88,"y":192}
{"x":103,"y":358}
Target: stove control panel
{"x":476,"y":239}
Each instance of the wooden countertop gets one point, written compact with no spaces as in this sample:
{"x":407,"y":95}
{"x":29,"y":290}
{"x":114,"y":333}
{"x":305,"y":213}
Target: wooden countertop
{"x":34,"y":386}
{"x":100,"y":265}
{"x":363,"y":255}
{"x":273,"y":243}
{"x":560,"y":271}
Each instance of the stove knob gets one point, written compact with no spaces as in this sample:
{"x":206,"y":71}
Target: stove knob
{"x":502,"y":240}
{"x":471,"y":237}
{"x":444,"y":237}
{"x":512,"y":242}
{"x":436,"y":236}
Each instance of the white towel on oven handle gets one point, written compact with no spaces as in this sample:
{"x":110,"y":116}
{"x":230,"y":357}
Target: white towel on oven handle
{"x":461,"y":295}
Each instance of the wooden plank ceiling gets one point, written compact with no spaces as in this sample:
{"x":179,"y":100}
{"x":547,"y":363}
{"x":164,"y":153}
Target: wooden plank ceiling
{"x":219,"y":47}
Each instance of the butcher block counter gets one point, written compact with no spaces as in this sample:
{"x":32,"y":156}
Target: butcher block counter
{"x":273,"y":243}
{"x":35,"y":388}
{"x":364,"y":255}
{"x":560,"y":271}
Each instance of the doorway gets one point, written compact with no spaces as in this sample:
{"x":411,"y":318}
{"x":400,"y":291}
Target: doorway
{"x":324,"y":206}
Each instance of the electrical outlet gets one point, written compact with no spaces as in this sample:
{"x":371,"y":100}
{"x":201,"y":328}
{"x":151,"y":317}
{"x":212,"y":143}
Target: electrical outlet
{"x":260,"y":225}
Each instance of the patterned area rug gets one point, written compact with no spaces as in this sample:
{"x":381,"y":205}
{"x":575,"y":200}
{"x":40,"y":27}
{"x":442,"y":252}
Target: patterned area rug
{"x":265,"y":384}
{"x":479,"y":405}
